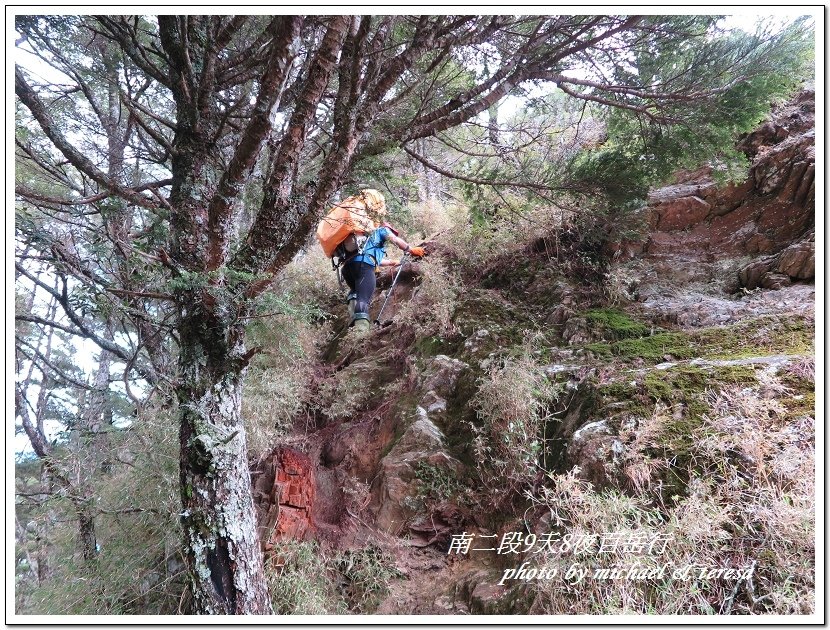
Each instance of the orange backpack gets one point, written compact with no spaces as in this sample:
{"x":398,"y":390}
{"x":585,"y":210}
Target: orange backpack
{"x":347,"y":218}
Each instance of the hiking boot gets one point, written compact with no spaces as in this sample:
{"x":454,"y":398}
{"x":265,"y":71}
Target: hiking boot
{"x":361,"y":323}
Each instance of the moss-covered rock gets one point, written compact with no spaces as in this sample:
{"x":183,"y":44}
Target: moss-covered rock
{"x":754,"y":337}
{"x":628,"y":400}
{"x":613,"y":324}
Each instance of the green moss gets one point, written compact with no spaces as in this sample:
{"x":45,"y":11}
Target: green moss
{"x":485,"y":310}
{"x":682,"y":388}
{"x":732,"y":374}
{"x":615,"y":324}
{"x":429,"y":346}
{"x":653,"y":349}
{"x":801,"y":405}
{"x":624,"y":395}
{"x":685,"y":384}
{"x":756,"y":337}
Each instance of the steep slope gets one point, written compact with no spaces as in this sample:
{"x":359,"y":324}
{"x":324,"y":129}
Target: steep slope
{"x":518,"y":400}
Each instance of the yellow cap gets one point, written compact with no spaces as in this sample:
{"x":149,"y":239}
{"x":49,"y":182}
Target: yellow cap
{"x":375,"y":202}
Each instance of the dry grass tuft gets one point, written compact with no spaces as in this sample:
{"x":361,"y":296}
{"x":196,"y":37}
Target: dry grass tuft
{"x":749,"y":503}
{"x":433,"y":303}
{"x":512,"y":405}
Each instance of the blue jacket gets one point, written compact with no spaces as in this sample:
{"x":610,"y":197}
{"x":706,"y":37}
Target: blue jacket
{"x":373,"y":251}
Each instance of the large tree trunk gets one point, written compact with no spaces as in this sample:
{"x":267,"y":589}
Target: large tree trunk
{"x":86,"y":531}
{"x":220,"y":538}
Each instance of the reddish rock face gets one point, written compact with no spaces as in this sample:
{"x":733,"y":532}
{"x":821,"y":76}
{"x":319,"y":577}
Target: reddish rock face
{"x":775,"y":206}
{"x":726,"y":229}
{"x":284,"y":493}
{"x":730,"y":197}
{"x":681,"y":213}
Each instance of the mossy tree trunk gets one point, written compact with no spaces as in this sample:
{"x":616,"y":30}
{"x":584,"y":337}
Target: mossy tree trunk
{"x":86,"y":530}
{"x":218,"y":521}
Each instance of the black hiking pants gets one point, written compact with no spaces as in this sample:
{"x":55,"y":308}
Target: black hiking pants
{"x":360,"y":277}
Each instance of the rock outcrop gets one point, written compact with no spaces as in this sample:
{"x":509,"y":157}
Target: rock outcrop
{"x":397,"y":484}
{"x":796,"y":262}
{"x":284,"y":494}
{"x":695,"y":219}
{"x":421,"y":444}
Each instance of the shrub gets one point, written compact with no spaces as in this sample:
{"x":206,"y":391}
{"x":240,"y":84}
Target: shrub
{"x":138,"y":568}
{"x":434,"y":220}
{"x":512,"y":406}
{"x":287,"y":332}
{"x":305,"y":579}
{"x":430,"y":311}
{"x":277,"y":381}
{"x":364,"y":577}
{"x":344,"y":394}
{"x":299,"y":582}
{"x":308,"y":280}
{"x":436,"y":483}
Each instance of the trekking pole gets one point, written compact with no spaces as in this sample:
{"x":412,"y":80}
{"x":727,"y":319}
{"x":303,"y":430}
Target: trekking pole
{"x":389,"y":293}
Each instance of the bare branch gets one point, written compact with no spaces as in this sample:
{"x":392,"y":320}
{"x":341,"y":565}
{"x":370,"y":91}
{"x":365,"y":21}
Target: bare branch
{"x":43,"y":363}
{"x":82,"y":329}
{"x":248,"y":149}
{"x":32,"y":101}
{"x":474,"y":180}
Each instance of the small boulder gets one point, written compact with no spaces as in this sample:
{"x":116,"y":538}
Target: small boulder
{"x":799,"y":260}
{"x":433,"y":403}
{"x":396,"y":486}
{"x":442,"y":375}
{"x":752,"y":275}
{"x":597,"y":452}
{"x":775,"y":281}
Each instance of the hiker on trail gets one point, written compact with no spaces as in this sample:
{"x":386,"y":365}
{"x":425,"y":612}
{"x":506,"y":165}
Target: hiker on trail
{"x":359,"y":271}
{"x":361,"y":252}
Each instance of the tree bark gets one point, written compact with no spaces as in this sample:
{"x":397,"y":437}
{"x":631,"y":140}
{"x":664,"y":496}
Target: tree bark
{"x":86,"y":531}
{"x":227,"y":574}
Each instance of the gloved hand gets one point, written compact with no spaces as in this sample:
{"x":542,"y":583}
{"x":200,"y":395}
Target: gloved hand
{"x":416,"y":251}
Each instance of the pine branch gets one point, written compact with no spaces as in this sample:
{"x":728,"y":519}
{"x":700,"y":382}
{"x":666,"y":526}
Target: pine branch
{"x":248,"y":149}
{"x":40,"y":112}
